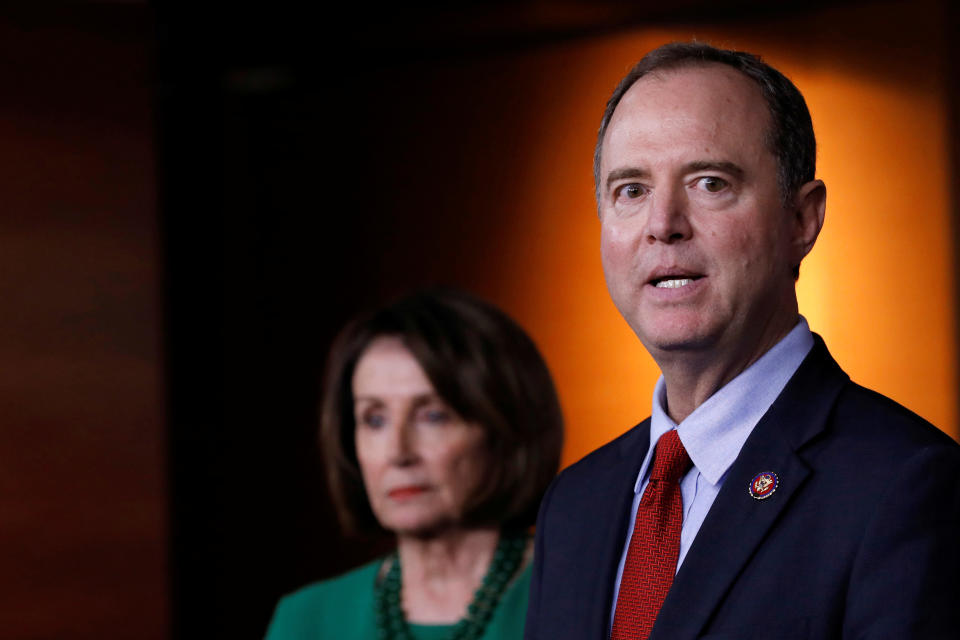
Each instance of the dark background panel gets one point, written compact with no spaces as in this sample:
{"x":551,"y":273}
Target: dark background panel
{"x":82,"y":478}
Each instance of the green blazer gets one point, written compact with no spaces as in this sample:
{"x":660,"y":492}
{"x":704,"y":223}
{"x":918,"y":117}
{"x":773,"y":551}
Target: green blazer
{"x":342,"y":607}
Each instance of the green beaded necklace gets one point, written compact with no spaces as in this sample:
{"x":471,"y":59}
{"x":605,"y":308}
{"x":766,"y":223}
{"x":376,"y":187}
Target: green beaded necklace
{"x":392,"y":625}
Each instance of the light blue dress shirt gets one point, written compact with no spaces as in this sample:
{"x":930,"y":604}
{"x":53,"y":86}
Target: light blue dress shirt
{"x":715,"y":432}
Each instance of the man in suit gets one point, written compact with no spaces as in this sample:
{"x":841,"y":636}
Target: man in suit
{"x":767,"y":497}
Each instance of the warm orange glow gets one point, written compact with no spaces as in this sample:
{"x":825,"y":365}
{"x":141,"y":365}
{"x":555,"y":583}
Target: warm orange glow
{"x":877,"y":286}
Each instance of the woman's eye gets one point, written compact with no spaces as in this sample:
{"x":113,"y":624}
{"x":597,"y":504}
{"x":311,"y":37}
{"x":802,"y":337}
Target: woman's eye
{"x":714,"y":184}
{"x":435,"y":416}
{"x":373,"y":420}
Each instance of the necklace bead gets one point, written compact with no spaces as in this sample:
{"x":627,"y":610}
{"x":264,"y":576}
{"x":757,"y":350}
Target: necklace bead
{"x":392,"y":624}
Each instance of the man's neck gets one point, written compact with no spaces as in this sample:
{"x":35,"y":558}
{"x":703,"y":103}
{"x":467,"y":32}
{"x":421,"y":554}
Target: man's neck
{"x":691,"y":377}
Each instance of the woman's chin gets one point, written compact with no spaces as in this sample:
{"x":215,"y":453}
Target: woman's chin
{"x":422,"y":528}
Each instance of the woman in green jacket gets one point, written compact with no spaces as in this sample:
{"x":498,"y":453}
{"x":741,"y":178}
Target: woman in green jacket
{"x":440,"y":424}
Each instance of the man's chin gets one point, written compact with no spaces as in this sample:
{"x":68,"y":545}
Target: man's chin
{"x":677,"y":341}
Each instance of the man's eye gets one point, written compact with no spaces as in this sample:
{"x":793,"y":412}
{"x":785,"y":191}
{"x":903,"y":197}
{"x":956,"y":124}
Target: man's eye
{"x":631,"y":191}
{"x":714,"y":184}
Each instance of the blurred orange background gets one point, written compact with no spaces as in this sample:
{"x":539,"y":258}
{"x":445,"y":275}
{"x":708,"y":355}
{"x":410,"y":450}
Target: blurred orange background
{"x":878,"y":286}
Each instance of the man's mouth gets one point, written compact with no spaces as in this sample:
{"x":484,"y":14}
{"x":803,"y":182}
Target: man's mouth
{"x":673,"y":282}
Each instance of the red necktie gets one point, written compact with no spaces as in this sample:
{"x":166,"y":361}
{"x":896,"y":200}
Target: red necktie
{"x":655,"y":544}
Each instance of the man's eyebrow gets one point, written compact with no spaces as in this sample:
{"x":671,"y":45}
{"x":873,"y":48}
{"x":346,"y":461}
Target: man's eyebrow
{"x":700,"y":165}
{"x":626,"y":172}
{"x":717,"y":165}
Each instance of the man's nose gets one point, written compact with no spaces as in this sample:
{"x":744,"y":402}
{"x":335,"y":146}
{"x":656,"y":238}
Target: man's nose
{"x":667,"y":219}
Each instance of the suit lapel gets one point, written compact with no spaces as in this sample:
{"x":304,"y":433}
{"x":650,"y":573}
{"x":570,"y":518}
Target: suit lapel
{"x":737,"y":523}
{"x":618,"y":483}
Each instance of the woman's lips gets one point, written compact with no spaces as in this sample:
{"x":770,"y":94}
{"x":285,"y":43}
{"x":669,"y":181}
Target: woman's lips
{"x":404,"y":493}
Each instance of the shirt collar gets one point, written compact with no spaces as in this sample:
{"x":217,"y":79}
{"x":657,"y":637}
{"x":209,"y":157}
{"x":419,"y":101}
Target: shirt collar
{"x":716,"y":430}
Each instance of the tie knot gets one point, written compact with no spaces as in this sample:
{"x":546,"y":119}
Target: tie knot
{"x":670,"y":459}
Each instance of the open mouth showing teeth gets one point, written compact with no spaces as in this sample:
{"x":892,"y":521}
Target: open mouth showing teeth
{"x":674,"y":282}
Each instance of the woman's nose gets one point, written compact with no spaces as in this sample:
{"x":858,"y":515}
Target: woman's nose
{"x":403,"y":444}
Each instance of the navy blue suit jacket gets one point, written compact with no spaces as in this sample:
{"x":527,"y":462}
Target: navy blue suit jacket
{"x":861,"y":539}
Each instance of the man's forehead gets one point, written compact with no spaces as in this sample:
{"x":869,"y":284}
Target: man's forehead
{"x":709,"y":83}
{"x":712,"y":99}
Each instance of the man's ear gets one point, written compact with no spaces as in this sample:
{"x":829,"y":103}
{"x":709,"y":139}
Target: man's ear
{"x":809,"y":208}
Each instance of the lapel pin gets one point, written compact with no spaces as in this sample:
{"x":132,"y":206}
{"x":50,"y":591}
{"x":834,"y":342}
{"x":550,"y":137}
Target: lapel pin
{"x":763,"y":485}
